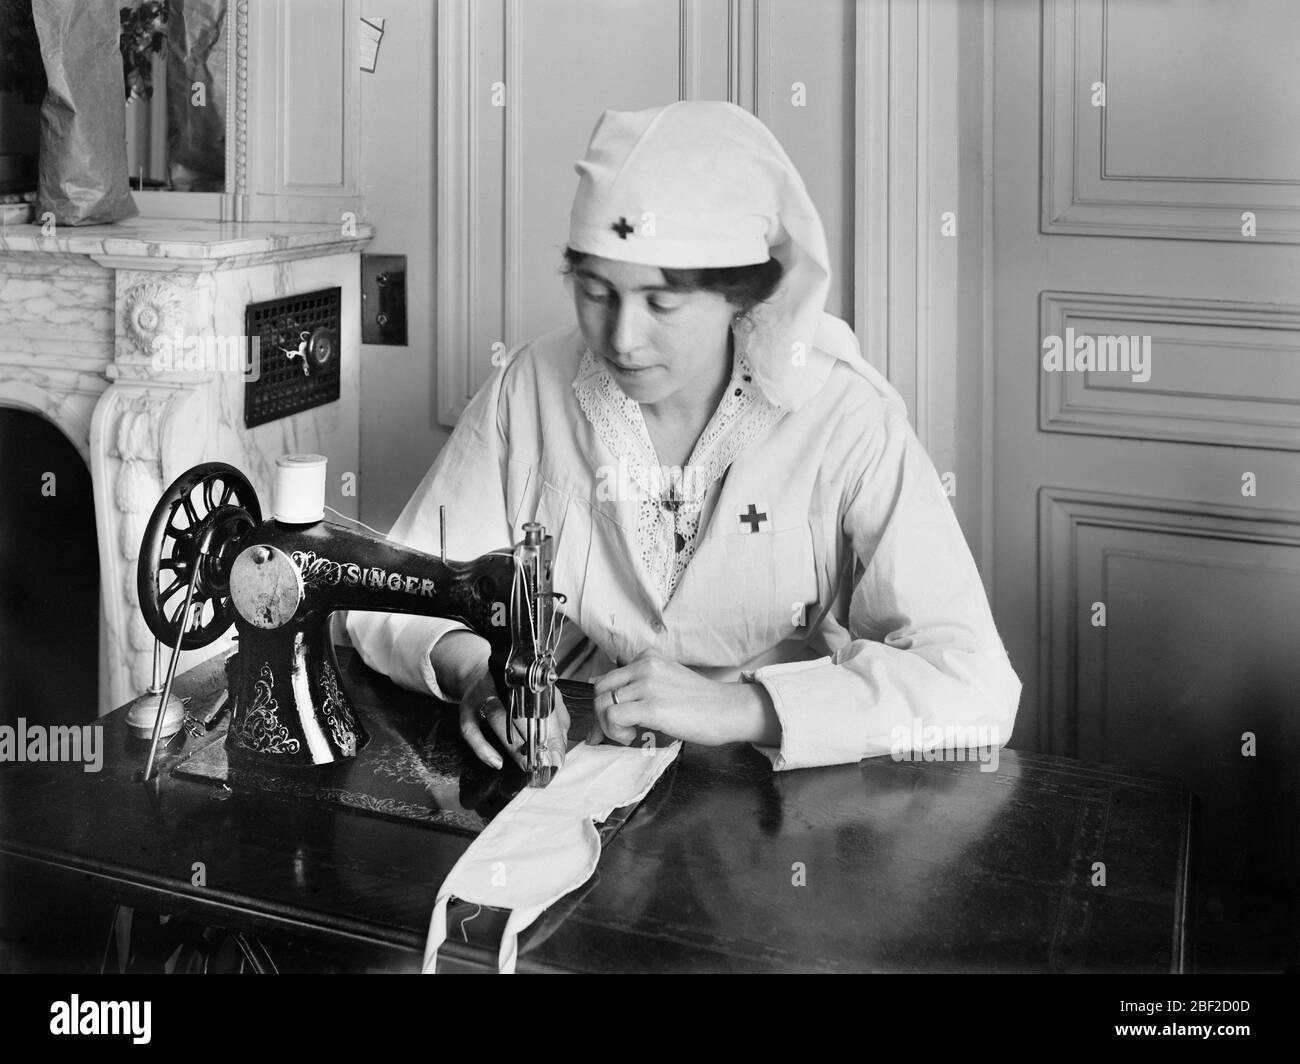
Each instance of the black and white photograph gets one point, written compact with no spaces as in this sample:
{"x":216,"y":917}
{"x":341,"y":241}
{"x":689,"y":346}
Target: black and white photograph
{"x":650,"y":486}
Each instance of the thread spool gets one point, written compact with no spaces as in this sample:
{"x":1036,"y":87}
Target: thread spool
{"x":300,"y":488}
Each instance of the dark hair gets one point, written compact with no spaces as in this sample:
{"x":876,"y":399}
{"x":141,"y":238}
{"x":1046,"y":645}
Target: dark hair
{"x":742,"y":286}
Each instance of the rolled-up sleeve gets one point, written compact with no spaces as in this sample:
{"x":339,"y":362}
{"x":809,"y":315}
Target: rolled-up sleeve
{"x":923,"y":664}
{"x":469,"y":478}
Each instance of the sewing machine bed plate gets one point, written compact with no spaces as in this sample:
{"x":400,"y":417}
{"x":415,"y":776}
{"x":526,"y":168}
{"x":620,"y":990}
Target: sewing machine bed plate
{"x":392,"y":776}
{"x":415,"y":767}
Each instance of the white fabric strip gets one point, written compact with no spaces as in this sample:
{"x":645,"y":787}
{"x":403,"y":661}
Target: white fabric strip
{"x":544,"y":844}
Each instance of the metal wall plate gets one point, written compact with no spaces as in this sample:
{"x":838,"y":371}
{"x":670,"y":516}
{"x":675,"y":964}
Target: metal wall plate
{"x":383,"y":299}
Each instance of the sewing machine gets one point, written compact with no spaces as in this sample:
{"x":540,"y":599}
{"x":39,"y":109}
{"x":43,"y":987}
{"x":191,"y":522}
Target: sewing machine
{"x":208,"y":559}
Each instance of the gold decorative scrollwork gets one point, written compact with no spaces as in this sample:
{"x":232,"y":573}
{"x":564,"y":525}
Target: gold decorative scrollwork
{"x":259,"y":728}
{"x":337,"y":714}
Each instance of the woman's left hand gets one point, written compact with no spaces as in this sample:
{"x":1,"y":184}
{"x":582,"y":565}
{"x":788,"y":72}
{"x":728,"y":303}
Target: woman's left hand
{"x":663,"y":696}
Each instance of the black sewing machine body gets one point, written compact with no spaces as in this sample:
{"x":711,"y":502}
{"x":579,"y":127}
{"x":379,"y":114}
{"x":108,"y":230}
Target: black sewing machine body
{"x":280,"y":583}
{"x":288,"y":580}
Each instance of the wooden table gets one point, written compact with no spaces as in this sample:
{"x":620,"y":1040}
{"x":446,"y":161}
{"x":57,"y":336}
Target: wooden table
{"x":727,"y":866}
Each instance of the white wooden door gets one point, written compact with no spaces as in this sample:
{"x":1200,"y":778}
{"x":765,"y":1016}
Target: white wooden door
{"x":1147,"y":528}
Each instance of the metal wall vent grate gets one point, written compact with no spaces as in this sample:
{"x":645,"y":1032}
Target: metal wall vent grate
{"x":294,"y":342}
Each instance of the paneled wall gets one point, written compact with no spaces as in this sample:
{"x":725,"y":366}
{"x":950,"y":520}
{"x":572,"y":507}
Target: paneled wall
{"x":1196,"y":124}
{"x":400,"y":431}
{"x":301,"y":133}
{"x":1160,"y":501}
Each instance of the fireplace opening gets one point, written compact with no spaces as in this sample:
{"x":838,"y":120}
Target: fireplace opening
{"x":49,"y":668}
{"x":49,"y":576}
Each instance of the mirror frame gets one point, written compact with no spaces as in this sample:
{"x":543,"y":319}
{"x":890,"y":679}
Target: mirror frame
{"x":227,"y":206}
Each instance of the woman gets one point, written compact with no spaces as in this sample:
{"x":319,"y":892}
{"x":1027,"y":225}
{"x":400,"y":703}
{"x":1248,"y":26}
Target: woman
{"x":713,"y":456}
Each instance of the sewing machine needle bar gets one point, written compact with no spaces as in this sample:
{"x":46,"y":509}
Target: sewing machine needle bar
{"x":530,"y":601}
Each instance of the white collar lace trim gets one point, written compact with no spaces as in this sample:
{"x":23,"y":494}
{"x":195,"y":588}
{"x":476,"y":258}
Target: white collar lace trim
{"x":670,"y":501}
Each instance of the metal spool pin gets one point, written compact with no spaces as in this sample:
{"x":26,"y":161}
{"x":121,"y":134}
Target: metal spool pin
{"x":142,"y":715}
{"x":181,"y":629}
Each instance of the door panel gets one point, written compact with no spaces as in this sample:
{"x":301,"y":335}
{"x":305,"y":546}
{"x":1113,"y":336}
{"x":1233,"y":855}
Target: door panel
{"x":1196,"y":123}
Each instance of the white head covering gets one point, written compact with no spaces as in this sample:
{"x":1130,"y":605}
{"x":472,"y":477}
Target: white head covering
{"x":702,"y":184}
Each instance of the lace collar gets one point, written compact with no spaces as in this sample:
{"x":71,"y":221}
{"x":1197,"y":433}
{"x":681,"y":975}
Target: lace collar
{"x":669,"y":501}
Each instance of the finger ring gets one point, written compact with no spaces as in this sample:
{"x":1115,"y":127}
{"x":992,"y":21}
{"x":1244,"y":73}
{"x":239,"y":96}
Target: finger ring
{"x":614,"y":695}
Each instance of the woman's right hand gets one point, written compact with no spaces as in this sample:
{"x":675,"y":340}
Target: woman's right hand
{"x":460,"y":661}
{"x":481,"y":706}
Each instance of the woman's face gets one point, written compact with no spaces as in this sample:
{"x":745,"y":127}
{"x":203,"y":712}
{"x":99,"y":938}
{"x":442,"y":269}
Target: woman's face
{"x":657,"y":342}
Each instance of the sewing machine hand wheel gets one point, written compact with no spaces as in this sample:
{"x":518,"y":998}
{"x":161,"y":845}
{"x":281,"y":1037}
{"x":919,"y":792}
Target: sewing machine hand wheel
{"x":196,"y":524}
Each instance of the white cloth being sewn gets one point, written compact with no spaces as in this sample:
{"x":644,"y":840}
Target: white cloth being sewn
{"x":544,"y":843}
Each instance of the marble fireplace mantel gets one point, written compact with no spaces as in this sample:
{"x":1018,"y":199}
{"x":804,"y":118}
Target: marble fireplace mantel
{"x":79,"y":312}
{"x":188,"y":244}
